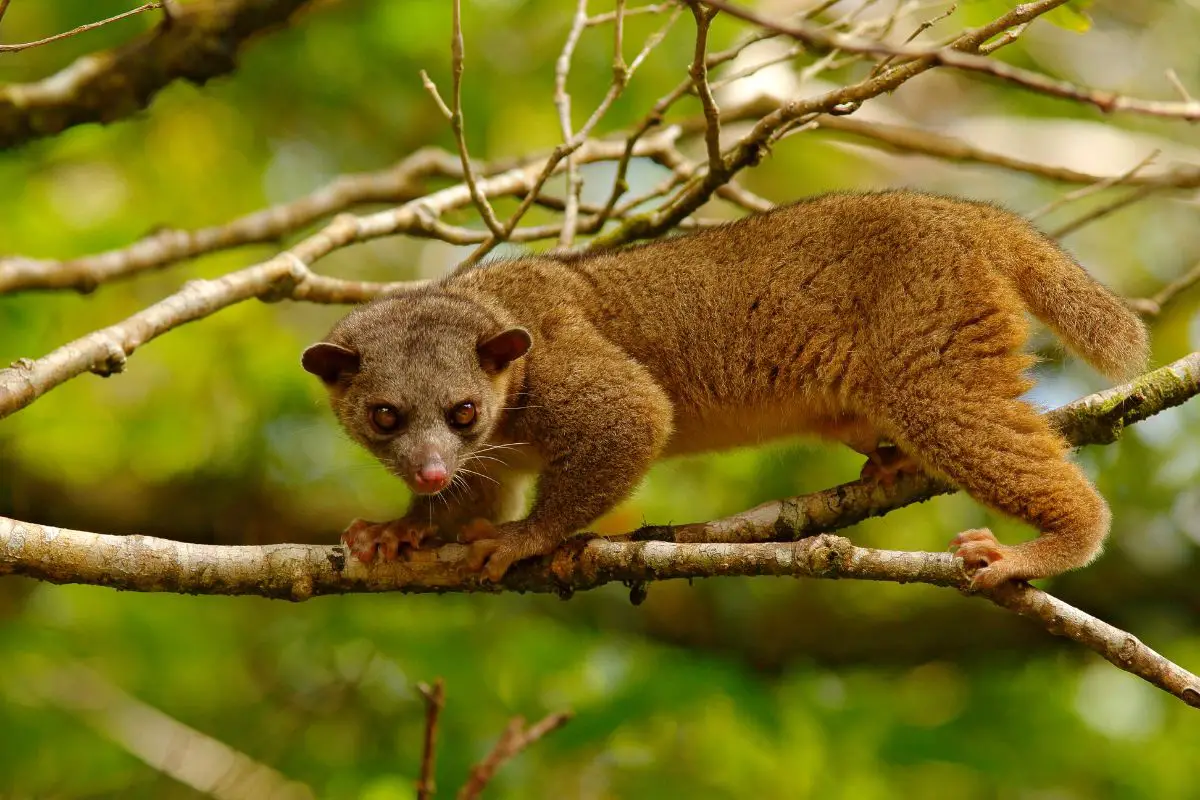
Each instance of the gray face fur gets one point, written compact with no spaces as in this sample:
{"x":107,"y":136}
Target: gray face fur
{"x":412,"y":363}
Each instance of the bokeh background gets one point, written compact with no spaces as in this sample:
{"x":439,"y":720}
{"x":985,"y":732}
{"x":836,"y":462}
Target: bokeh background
{"x":725,"y":688}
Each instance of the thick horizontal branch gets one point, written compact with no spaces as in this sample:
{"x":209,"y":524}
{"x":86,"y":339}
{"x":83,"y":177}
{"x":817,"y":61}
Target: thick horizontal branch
{"x":745,"y":548}
{"x":299,"y":572}
{"x":196,"y":42}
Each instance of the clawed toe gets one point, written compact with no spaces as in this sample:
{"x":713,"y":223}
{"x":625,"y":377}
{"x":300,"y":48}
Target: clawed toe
{"x":386,"y":541}
{"x":492,"y":558}
{"x":983,"y":558}
{"x":886,"y":465}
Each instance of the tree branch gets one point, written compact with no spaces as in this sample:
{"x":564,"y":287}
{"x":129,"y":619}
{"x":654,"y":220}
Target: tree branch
{"x":742,"y":545}
{"x":562,"y":104}
{"x":198,"y":41}
{"x":1127,"y":199}
{"x":209,"y":766}
{"x":905,"y":140}
{"x":298,"y":572}
{"x":1152,"y":306}
{"x":616,"y":88}
{"x":1095,"y":188}
{"x":435,"y":699}
{"x":285,"y":276}
{"x":455,"y":115}
{"x":749,"y":150}
{"x":960,"y":58}
{"x":516,"y":737}
{"x":699,"y":74}
{"x":14,"y":48}
{"x":399,"y":183}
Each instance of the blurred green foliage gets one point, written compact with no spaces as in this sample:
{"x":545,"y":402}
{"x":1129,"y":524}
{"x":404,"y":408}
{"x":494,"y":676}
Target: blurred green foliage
{"x":723,"y":689}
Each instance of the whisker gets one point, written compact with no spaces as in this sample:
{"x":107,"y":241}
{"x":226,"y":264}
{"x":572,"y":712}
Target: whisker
{"x":512,"y":446}
{"x":479,"y":474}
{"x":475,"y":457}
{"x":457,"y":481}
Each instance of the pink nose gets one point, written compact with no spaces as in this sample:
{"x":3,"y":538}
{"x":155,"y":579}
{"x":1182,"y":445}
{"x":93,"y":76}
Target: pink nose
{"x":431,"y":477}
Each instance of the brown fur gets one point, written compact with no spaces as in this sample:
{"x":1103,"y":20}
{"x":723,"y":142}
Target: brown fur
{"x":893,"y":317}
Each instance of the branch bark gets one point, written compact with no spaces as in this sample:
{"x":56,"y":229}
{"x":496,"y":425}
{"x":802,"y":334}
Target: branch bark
{"x":195,"y":42}
{"x":743,"y":545}
{"x":297,"y":572}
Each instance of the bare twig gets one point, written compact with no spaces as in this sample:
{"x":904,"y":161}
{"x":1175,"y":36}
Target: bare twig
{"x":1152,"y":306}
{"x":456,"y":122}
{"x":903,"y":140}
{"x":622,"y":12}
{"x":924,"y":26}
{"x":1003,"y":40}
{"x":1095,"y":188}
{"x":957,"y":58}
{"x":619,"y":67}
{"x":516,"y":737}
{"x":13,"y":48}
{"x":1128,"y":199}
{"x":732,"y":192}
{"x":699,"y":73}
{"x":732,"y":77}
{"x":431,"y":87}
{"x":562,"y":102}
{"x":1177,"y":84}
{"x":620,"y":180}
{"x":399,"y":183}
{"x":749,"y":149}
{"x":820,"y":8}
{"x":435,"y":700}
{"x":201,"y":42}
{"x":615,"y":90}
{"x":1123,"y":650}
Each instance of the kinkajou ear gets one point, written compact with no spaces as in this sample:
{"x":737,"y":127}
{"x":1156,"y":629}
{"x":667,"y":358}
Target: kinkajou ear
{"x":330,"y":362}
{"x":496,"y":353}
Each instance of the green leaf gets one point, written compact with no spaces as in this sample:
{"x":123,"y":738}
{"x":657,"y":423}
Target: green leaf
{"x":1072,"y":17}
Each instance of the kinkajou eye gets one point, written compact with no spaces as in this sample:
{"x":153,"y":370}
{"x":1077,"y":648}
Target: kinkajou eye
{"x":386,"y":419}
{"x":462,"y":416}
